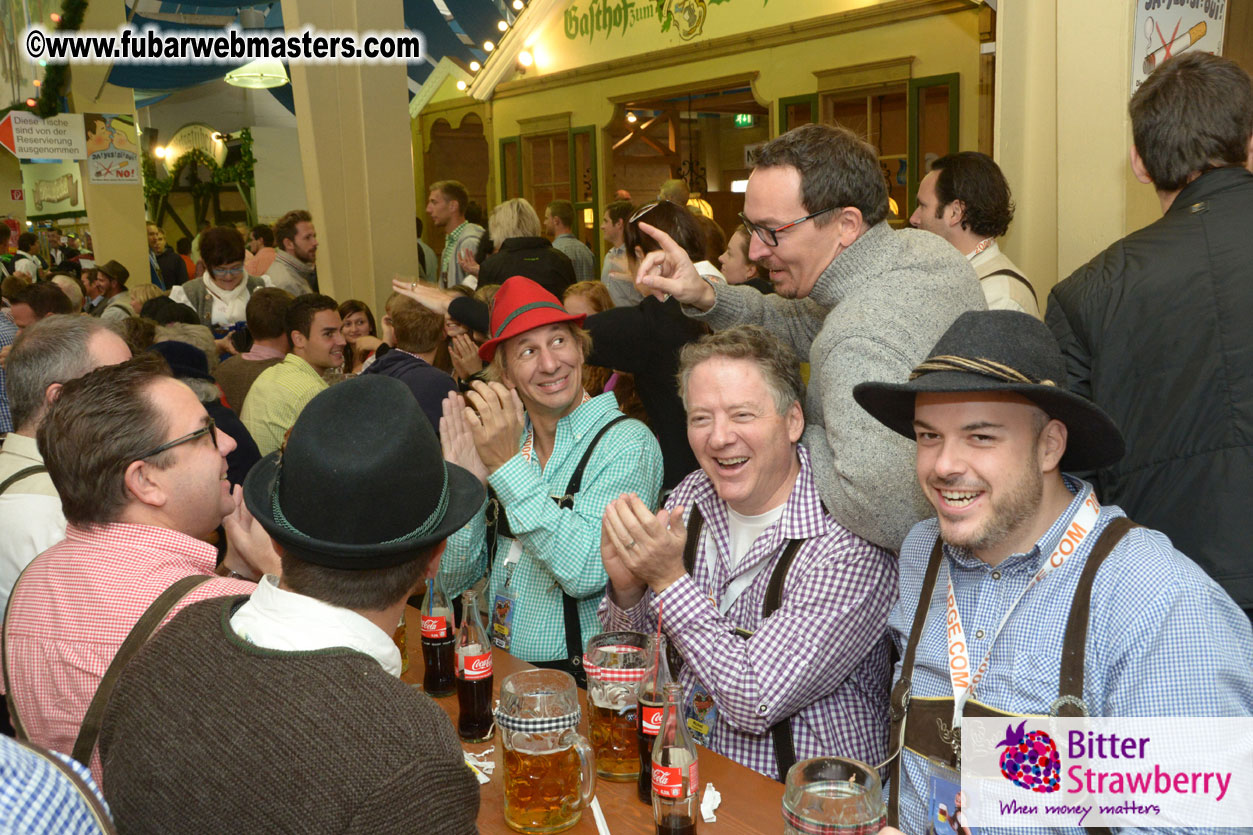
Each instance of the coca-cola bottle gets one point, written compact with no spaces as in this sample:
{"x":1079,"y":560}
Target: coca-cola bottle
{"x":676,"y":784}
{"x":651,"y":695}
{"x":438,"y":639}
{"x":474,"y":674}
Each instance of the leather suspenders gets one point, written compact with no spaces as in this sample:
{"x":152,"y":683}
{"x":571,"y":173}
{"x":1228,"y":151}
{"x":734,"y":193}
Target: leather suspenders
{"x":498,"y":525}
{"x":781,"y":731}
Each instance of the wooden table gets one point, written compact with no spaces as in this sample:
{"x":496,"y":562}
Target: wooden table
{"x":751,"y":803}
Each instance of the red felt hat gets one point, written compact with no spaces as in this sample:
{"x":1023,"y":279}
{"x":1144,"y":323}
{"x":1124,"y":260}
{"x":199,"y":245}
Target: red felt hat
{"x":521,"y":305}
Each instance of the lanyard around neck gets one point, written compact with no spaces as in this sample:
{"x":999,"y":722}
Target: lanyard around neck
{"x":962,"y":678}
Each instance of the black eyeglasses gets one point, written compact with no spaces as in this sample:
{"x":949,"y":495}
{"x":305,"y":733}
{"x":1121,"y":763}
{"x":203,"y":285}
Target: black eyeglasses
{"x":770,"y":237}
{"x":209,"y":429}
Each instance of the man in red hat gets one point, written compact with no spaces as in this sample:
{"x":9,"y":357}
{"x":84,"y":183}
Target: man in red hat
{"x":552,"y":458}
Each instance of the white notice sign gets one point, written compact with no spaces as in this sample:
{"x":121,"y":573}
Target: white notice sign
{"x":29,"y":137}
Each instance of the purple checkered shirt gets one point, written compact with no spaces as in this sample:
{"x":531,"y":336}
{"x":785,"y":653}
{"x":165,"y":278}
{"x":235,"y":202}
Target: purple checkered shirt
{"x":821,"y":658}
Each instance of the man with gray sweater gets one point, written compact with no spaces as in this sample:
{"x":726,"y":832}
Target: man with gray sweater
{"x":856,"y":297}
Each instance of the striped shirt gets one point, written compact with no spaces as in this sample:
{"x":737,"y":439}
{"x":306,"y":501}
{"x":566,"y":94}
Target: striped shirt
{"x":821,"y":658}
{"x":276,"y":399}
{"x":560,"y":548}
{"x":36,"y":797}
{"x":74,"y":607}
{"x":1163,"y":640}
{"x":8,"y":335}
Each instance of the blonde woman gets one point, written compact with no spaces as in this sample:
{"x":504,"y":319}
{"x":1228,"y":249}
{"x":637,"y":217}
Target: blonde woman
{"x":523,"y":250}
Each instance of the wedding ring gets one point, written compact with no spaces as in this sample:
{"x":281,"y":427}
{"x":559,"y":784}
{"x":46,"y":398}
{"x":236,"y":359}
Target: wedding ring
{"x":630,"y":545}
{"x":413,"y":285}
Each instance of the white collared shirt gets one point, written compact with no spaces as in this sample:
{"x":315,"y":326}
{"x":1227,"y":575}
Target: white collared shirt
{"x":278,"y":619}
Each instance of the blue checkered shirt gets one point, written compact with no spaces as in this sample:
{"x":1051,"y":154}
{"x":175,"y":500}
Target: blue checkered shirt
{"x":8,"y":335}
{"x":560,"y":548}
{"x":821,"y":658}
{"x":1163,"y":640}
{"x":37,"y":797}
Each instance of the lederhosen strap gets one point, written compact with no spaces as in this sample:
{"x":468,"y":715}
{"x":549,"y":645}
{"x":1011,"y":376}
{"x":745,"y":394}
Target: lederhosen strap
{"x":928,"y":733}
{"x":781,"y":731}
{"x":1012,"y":274}
{"x":97,"y":809}
{"x":21,"y":474}
{"x":498,"y":524}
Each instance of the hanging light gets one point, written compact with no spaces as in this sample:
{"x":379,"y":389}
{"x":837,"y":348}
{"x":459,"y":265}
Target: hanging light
{"x":630,"y":117}
{"x":502,"y":26}
{"x":488,"y":46}
{"x":475,"y":66}
{"x":525,"y":58}
{"x":260,"y":74}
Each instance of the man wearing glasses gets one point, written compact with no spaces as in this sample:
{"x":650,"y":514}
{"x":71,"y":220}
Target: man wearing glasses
{"x":141,"y":472}
{"x":856,"y":297}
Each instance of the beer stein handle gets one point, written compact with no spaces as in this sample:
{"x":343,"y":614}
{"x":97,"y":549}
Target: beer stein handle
{"x":587,"y":761}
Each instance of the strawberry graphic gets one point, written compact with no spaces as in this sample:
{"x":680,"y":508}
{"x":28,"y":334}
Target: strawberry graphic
{"x":1030,"y":759}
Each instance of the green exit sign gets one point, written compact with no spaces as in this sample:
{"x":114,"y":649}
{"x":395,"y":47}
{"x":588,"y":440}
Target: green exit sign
{"x":745,"y":120}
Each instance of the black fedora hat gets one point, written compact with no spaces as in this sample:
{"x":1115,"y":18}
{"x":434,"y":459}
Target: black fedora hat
{"x":361,"y":482}
{"x":1001,"y":350}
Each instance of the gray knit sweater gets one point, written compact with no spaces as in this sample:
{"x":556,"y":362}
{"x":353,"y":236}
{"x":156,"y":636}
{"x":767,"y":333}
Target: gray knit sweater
{"x":207,"y":733}
{"x":874,"y":313}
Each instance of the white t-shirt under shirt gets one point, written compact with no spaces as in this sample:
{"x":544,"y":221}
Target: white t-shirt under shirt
{"x":744,"y":531}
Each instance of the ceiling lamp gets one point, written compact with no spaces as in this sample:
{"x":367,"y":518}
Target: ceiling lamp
{"x":475,"y":66}
{"x":260,"y":74}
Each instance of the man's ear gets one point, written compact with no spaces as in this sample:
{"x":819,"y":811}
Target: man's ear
{"x":1142,"y":173}
{"x":297,"y":339}
{"x":955,"y":213}
{"x":1052,"y":445}
{"x":795,"y":420}
{"x":851,"y":225}
{"x":52,"y":392}
{"x":140,"y":484}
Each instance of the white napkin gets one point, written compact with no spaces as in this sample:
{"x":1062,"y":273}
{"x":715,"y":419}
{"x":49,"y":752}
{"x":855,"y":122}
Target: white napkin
{"x":709,"y":803}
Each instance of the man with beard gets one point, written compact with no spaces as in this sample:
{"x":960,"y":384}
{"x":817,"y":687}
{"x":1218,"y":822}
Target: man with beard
{"x":296,"y":249}
{"x":1055,"y":604}
{"x":281,"y":392}
{"x":859,"y":299}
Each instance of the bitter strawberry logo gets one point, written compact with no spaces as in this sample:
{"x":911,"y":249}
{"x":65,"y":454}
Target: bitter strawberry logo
{"x":1030,"y":759}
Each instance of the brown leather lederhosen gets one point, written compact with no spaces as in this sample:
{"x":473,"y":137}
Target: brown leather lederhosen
{"x":928,"y":733}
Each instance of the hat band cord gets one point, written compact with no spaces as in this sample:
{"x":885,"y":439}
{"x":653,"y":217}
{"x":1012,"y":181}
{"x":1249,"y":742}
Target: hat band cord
{"x":975,"y":365}
{"x":436,"y":516}
{"x":523,"y":309}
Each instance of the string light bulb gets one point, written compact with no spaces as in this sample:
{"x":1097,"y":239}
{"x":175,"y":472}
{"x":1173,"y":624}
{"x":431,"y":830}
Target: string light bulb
{"x":54,"y":17}
{"x":30,"y":102}
{"x":525,"y":58}
{"x":461,"y":85}
{"x":517,"y":5}
{"x":503,"y":26}
{"x":475,"y":66}
{"x":488,"y":46}
{"x":38,"y":82}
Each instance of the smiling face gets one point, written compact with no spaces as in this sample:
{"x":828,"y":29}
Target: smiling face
{"x":743,"y":444}
{"x":545,"y":365}
{"x":228,"y":276}
{"x":355,"y":326}
{"x":453,"y":328}
{"x":734,"y":263}
{"x":199,"y":496}
{"x":982,"y":461}
{"x":773,"y":198}
{"x":323,"y":348}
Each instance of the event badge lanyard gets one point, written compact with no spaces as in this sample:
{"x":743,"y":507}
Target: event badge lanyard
{"x":963,"y":679}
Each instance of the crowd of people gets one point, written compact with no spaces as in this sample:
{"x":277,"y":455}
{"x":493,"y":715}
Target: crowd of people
{"x":837,"y":454}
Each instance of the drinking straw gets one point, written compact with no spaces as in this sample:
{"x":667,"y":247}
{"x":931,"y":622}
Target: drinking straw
{"x":657,"y":643}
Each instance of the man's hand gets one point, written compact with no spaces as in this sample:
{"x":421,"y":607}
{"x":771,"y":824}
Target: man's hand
{"x":625,"y":588}
{"x":465,"y":258}
{"x":226,"y":345}
{"x":496,"y":419}
{"x":367,"y":343}
{"x":249,"y":550}
{"x":669,"y":271}
{"x":650,"y":547}
{"x":457,"y":440}
{"x":427,"y":295}
{"x":465,"y":356}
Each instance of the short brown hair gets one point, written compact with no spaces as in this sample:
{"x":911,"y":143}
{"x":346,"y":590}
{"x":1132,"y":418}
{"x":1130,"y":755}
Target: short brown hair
{"x":452,"y":190}
{"x":417,"y":329}
{"x":301,"y":311}
{"x":266,"y":313}
{"x":675,"y":221}
{"x":563,"y":210}
{"x":838,"y":169}
{"x":1193,"y":113}
{"x":221,"y":245}
{"x":778,"y":365}
{"x":370,"y":590}
{"x":94,"y":430}
{"x":44,"y":299}
{"x":285,"y":226}
{"x":594,"y":291}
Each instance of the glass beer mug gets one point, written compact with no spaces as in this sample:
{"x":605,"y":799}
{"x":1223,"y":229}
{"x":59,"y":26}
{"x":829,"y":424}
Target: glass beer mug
{"x":834,"y":795}
{"x":550,"y":771}
{"x":615,"y":662}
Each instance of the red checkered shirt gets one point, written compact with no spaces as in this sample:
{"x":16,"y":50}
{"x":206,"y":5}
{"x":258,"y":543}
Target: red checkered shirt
{"x":74,"y":607}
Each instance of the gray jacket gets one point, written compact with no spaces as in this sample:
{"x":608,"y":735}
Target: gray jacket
{"x":874,"y":313}
{"x":201,"y":302}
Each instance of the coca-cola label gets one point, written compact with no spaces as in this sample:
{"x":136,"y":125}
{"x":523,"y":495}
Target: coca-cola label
{"x":650,"y":719}
{"x":668,"y":780}
{"x":475,"y":666}
{"x":434,"y":626}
